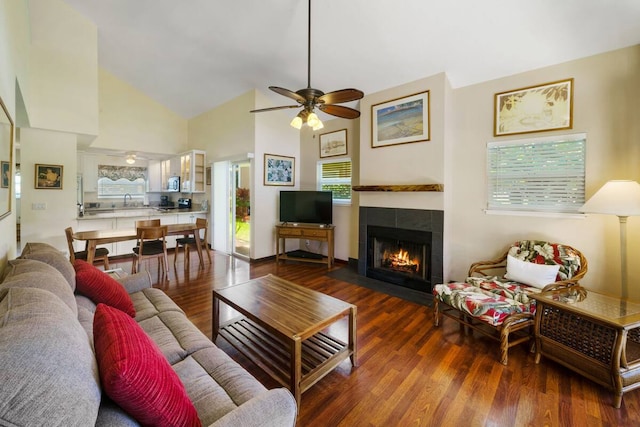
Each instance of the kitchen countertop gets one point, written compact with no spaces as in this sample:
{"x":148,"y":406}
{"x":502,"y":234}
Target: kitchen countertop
{"x":101,"y":213}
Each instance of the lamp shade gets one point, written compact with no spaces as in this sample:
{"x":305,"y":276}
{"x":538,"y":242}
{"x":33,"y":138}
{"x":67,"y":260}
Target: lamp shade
{"x":618,"y":197}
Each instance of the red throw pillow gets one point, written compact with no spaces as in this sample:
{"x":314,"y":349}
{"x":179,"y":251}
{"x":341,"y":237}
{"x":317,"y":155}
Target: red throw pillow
{"x":135,"y":374}
{"x":102,"y":288}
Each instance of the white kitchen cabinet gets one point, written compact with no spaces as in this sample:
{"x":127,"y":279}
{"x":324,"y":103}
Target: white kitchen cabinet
{"x":90,"y":225}
{"x":154,"y":169}
{"x":90,"y":173}
{"x":127,"y":223}
{"x":192,"y":171}
{"x":166,"y":219}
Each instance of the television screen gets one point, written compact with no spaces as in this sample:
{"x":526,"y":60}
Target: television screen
{"x":312,"y":207}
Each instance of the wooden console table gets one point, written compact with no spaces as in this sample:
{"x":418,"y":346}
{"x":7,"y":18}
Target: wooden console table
{"x":305,"y":232}
{"x":594,"y":335}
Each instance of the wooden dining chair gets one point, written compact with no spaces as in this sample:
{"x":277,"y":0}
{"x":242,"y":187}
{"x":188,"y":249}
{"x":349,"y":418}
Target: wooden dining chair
{"x":102,"y":254}
{"x":190,"y":241}
{"x":151,"y":244}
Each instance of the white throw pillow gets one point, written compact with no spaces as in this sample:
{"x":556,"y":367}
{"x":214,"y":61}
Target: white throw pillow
{"x":529,"y":273}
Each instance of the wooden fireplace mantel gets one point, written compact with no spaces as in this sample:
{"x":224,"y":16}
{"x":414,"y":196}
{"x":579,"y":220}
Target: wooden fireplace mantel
{"x":400,"y":187}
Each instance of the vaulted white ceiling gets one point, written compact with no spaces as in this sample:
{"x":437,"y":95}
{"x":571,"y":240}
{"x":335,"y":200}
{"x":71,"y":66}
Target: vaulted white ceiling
{"x":194,"y":55}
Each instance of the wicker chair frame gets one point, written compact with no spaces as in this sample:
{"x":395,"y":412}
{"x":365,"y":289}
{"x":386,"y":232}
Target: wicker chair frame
{"x":516,"y":328}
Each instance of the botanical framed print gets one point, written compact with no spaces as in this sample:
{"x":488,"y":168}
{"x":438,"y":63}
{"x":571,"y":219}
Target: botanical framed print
{"x":534,"y":109}
{"x":5,"y":170}
{"x":333,"y":143}
{"x":49,"y":177}
{"x":279,"y":170}
{"x":400,"y":121}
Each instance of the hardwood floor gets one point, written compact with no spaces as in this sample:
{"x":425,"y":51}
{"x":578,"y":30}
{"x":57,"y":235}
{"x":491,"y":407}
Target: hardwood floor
{"x":410,"y":372}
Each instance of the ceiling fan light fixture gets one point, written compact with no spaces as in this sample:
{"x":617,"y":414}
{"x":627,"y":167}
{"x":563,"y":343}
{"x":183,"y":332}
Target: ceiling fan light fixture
{"x":318,"y":125}
{"x":297,"y":122}
{"x":131,"y":159}
{"x":313,"y":120}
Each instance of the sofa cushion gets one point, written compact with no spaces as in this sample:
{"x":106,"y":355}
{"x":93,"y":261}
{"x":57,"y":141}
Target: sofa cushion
{"x":32,"y":247}
{"x":48,"y":372}
{"x":216,"y":383}
{"x":30,"y":273}
{"x":58,"y":261}
{"x":135,"y":374}
{"x":151,"y":301}
{"x":102,"y":288}
{"x":529,"y":273}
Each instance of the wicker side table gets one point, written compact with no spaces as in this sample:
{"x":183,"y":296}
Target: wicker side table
{"x":594,"y":335}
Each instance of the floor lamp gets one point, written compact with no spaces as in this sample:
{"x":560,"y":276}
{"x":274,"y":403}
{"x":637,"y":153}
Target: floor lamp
{"x":620,"y":198}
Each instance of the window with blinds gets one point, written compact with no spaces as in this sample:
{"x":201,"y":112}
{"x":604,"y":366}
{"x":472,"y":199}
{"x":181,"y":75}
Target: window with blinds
{"x":336,"y":176}
{"x":541,"y":175}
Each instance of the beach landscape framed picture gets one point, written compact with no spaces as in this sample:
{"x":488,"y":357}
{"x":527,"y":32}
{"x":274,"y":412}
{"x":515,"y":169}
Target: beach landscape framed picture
{"x":400,"y":121}
{"x":534,"y":109}
{"x":48,"y":177}
{"x":279,"y":170}
{"x":333,"y":143}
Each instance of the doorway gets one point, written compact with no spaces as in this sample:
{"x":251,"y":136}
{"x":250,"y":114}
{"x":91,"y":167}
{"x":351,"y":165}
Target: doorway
{"x":241,"y":209}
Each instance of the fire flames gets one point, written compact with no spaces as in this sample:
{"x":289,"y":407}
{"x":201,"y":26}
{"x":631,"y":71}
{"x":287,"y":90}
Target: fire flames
{"x":400,"y":261}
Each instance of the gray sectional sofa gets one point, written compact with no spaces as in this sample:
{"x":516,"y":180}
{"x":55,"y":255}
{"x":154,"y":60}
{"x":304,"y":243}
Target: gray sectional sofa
{"x":48,"y":369}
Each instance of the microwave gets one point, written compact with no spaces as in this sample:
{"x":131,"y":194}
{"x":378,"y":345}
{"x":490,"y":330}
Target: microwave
{"x":173,"y":184}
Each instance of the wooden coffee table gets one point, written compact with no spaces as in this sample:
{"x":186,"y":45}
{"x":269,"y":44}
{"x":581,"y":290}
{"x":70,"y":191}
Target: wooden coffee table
{"x":283,"y":329}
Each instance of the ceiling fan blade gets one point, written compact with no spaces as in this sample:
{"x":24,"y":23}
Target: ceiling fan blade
{"x":274,"y":108}
{"x":339,"y":111}
{"x":288,"y":93}
{"x":340,"y":96}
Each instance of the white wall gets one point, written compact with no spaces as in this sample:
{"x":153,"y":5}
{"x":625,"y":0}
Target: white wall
{"x":47,"y":225}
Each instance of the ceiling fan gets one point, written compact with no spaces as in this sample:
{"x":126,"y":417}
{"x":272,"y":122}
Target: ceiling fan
{"x":310,"y":98}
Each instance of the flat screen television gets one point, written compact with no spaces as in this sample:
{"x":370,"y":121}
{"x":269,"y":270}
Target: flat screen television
{"x":311,"y":207}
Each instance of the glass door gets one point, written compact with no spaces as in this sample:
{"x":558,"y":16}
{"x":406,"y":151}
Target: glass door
{"x":241,"y":209}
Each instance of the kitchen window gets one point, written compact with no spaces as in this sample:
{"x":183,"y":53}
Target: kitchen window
{"x":116,"y":181}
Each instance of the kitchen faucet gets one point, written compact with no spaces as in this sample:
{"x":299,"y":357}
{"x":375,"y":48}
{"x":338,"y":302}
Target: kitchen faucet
{"x":125,"y":198}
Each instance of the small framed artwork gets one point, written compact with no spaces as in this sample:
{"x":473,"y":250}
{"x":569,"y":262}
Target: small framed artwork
{"x":208,"y":175}
{"x":534,"y":109}
{"x":333,"y":143}
{"x":5,"y":169}
{"x":400,"y":121}
{"x":279,"y":170}
{"x":48,"y":177}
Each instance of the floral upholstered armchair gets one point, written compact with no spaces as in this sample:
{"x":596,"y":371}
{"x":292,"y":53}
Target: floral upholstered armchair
{"x":499,"y":305}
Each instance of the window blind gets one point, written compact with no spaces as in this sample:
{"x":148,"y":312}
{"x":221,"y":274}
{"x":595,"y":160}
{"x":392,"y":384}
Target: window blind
{"x":537,"y":175}
{"x":335,"y":176}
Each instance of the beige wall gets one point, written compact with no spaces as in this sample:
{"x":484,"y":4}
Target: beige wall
{"x":415,"y":163}
{"x":231,"y":133}
{"x":344,"y":216}
{"x":606,"y":109}
{"x":131,"y":121}
{"x":63,"y":76}
{"x":14,"y":66}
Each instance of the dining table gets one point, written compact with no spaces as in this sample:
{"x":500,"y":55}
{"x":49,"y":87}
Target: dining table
{"x":102,"y":237}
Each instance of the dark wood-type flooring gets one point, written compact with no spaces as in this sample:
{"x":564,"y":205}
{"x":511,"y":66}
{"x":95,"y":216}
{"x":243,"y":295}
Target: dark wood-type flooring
{"x":410,"y":372}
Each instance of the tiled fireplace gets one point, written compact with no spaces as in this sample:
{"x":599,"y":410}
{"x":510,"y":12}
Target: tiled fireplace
{"x":401,"y":246}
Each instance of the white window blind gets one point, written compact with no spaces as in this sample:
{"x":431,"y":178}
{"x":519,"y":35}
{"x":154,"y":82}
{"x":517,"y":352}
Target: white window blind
{"x":541,"y":175}
{"x":336,"y":176}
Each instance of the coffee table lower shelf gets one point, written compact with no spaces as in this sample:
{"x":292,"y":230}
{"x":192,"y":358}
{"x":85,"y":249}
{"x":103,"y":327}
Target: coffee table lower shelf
{"x":320,"y":353}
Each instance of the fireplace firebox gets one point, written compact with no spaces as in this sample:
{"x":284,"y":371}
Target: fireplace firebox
{"x":399,"y":256}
